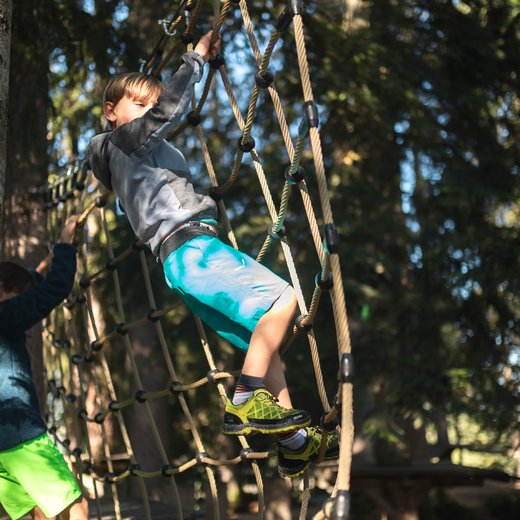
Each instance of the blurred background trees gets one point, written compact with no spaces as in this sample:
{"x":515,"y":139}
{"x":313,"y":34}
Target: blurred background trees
{"x":419,"y":122}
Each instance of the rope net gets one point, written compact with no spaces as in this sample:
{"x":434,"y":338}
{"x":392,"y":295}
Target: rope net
{"x":87,"y":404}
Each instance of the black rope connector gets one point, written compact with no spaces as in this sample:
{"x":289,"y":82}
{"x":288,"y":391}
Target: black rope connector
{"x":96,"y":345}
{"x":172,"y":386}
{"x":165,"y":468}
{"x":71,"y":398}
{"x":109,"y":478}
{"x":215,"y":194}
{"x":299,"y":323}
{"x":311,"y":114}
{"x":134,"y":468}
{"x":84,"y":282}
{"x":341,"y":507}
{"x":77,"y":451}
{"x":150,"y":315}
{"x":346,"y":368}
{"x":100,"y":202}
{"x":187,"y":37}
{"x":75,"y":359}
{"x":53,"y":430}
{"x":69,"y":304}
{"x":66,"y":344}
{"x":296,"y":177}
{"x":276,"y":235}
{"x":329,"y":425}
{"x":248,"y":146}
{"x":82,"y":414}
{"x":140,"y":397}
{"x":99,"y":418}
{"x":244,"y":453}
{"x":56,"y":343}
{"x":51,"y":383}
{"x":194,"y":118}
{"x":324,"y":285}
{"x":111,"y":264}
{"x":211,"y":376}
{"x":217,"y":61}
{"x":284,"y":20}
{"x":331,"y":239}
{"x":201,"y":455}
{"x":137,"y":245}
{"x":112,"y":405}
{"x":121,"y":329}
{"x":88,"y":358}
{"x":88,"y":468}
{"x":264,"y":79}
{"x":61,"y":390}
{"x":66,"y":442}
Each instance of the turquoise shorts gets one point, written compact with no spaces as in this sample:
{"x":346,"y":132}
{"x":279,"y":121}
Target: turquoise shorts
{"x":35,"y":473}
{"x":227,"y":289}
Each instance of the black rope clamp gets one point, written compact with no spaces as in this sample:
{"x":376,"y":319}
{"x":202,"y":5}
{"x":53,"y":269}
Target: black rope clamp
{"x":201,"y":455}
{"x":150,"y":315}
{"x":248,"y":146}
{"x":99,"y":418}
{"x":109,"y":478}
{"x":296,"y":177}
{"x":293,"y":8}
{"x":96,"y":345}
{"x":111,"y":264}
{"x":299,"y":323}
{"x":324,"y":285}
{"x":82,"y":414}
{"x":84,"y":282}
{"x":51,"y":383}
{"x":77,"y":451}
{"x":75,"y":359}
{"x":121,"y":328}
{"x":88,"y":358}
{"x":71,"y":398}
{"x":341,"y":507}
{"x":264,"y":79}
{"x":52,"y":430}
{"x":276,"y":235}
{"x":331,"y":239}
{"x":80,"y":298}
{"x":346,"y":368}
{"x":211,"y":376}
{"x":215,"y":194}
{"x":172,"y":386}
{"x":194,"y":118}
{"x":165,"y":469}
{"x":217,"y":61}
{"x":187,"y":37}
{"x":244,"y":453}
{"x":88,"y":468}
{"x":134,"y":468}
{"x":140,"y":396}
{"x":329,"y":425}
{"x":100,"y":202}
{"x":69,"y":304}
{"x":312,"y":117}
{"x":113,"y":405}
{"x":66,"y":442}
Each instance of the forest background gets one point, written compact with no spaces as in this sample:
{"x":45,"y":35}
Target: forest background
{"x":419,"y":124}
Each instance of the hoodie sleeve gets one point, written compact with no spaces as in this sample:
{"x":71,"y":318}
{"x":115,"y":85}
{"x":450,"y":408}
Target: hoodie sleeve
{"x":97,"y":159}
{"x":24,"y":310}
{"x":144,"y":133}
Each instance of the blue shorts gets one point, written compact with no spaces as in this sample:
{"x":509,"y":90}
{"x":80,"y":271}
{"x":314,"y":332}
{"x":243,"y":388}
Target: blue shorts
{"x":227,"y":289}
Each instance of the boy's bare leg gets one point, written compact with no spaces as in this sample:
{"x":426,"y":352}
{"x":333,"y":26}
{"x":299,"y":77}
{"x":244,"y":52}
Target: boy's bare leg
{"x":37,"y":514}
{"x":76,"y":511}
{"x":262,"y":358}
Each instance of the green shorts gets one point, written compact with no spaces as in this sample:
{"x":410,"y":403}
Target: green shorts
{"x":35,"y":473}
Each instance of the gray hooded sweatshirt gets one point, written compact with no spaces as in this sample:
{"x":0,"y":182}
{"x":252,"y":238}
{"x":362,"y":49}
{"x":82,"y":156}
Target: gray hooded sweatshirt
{"x":149,"y":175}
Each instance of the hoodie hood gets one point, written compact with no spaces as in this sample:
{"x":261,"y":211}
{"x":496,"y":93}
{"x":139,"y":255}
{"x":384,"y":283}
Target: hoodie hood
{"x":98,"y":158}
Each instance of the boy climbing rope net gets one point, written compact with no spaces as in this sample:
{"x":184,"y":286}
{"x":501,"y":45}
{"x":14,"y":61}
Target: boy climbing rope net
{"x":239,"y":298}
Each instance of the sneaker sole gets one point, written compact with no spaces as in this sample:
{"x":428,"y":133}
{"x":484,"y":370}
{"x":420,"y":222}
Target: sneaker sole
{"x":285,"y":473}
{"x":251,"y":428}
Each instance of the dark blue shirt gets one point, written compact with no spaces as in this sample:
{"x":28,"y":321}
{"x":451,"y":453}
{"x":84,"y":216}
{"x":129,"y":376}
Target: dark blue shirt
{"x":20,"y":418}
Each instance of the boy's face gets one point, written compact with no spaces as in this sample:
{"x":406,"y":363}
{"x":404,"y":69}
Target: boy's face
{"x":126,"y":110}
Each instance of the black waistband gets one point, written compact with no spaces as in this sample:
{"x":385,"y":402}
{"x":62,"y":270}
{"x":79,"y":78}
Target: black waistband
{"x":175,"y":240}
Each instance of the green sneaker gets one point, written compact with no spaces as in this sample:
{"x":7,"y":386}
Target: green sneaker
{"x":292,"y":463}
{"x":261,"y":413}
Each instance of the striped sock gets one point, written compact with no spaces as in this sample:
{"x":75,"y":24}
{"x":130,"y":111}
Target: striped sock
{"x":293,"y":440}
{"x":246,"y":385}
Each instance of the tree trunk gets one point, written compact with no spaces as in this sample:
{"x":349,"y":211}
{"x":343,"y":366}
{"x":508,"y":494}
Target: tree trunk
{"x":5,"y":47}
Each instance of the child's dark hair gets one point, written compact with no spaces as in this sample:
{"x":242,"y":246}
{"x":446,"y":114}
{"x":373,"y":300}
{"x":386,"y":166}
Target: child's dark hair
{"x":14,"y":278}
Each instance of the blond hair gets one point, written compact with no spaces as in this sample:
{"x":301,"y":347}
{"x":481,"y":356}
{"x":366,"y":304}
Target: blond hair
{"x":134,"y":85}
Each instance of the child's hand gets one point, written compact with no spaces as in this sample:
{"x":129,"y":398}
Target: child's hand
{"x":68,"y":233}
{"x":203,"y":48}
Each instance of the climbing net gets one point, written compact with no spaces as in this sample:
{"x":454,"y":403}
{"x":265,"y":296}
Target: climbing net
{"x":83,"y":395}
